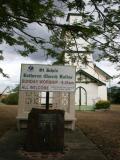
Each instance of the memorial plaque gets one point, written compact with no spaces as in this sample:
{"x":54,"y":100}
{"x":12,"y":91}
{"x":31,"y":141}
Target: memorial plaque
{"x":45,"y":130}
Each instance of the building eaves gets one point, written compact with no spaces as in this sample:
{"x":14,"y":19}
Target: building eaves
{"x":90,"y":76}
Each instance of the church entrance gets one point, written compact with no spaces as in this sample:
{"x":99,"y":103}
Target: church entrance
{"x":81,"y":97}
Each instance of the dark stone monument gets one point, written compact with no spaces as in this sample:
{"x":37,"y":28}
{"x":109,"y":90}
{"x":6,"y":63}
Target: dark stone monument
{"x":45,"y":131}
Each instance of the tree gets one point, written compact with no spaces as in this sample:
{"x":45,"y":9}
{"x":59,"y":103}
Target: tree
{"x":114,"y":94}
{"x":99,"y":27}
{"x":12,"y":98}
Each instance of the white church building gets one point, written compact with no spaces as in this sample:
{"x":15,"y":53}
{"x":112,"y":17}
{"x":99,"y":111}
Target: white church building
{"x":90,"y":79}
{"x":90,"y":86}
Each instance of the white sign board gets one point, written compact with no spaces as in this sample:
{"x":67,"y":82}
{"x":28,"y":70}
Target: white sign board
{"x":47,"y":78}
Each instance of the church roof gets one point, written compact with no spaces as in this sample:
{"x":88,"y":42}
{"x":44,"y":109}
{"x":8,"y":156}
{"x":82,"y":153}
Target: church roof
{"x":103,"y":72}
{"x":87,"y":75}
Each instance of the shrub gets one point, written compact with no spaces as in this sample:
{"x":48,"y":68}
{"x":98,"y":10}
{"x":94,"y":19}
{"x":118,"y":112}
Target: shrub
{"x":11,"y":99}
{"x":102,"y":104}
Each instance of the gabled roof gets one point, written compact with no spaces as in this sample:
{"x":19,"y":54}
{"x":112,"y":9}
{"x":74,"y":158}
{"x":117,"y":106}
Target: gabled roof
{"x":103,"y":72}
{"x":93,"y":79}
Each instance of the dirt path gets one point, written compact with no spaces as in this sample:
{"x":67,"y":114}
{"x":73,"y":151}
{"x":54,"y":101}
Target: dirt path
{"x":7,"y":118}
{"x":103,"y":128}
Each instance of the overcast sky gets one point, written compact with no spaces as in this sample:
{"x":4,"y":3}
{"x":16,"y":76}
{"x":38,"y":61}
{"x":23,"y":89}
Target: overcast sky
{"x":11,"y":65}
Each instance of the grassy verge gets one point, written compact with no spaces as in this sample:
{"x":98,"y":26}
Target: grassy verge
{"x":103,"y":128}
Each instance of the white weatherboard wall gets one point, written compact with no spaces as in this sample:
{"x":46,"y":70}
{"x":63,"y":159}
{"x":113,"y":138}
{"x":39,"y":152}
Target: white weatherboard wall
{"x":102,"y":92}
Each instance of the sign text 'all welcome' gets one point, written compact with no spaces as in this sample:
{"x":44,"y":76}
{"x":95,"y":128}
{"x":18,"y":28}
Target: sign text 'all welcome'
{"x":47,"y":78}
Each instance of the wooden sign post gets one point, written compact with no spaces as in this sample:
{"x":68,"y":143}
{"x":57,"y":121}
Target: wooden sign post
{"x":47,"y":100}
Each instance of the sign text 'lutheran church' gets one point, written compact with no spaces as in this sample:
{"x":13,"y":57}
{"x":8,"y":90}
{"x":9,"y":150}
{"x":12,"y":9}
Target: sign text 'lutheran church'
{"x":47,"y":78}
